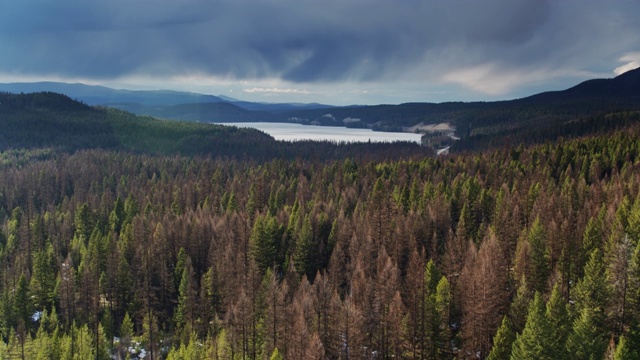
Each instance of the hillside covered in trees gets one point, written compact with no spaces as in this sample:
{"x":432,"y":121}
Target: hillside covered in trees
{"x":544,"y":116}
{"x":306,"y":250}
{"x":55,"y":122}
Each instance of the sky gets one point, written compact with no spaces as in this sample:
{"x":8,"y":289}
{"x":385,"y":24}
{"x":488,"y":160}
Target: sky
{"x":336,"y":52}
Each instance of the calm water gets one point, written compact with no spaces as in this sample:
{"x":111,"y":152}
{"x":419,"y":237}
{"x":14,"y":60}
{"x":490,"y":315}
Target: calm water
{"x":294,"y":132}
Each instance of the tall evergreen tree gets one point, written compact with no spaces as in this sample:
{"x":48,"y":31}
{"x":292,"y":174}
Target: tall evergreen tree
{"x":184,"y":316}
{"x":502,"y":341}
{"x":443,"y":303}
{"x":591,"y":292}
{"x":117,"y":216}
{"x":535,"y":340}
{"x":594,"y":233}
{"x":558,"y":320}
{"x":625,"y":350}
{"x":519,"y":306}
{"x":305,"y":250}
{"x":633,"y":221}
{"x":429,"y":323}
{"x":588,"y":339}
{"x":43,"y":279}
{"x":22,"y":306}
{"x":538,"y":263}
{"x":264,"y":242}
{"x":7,"y":315}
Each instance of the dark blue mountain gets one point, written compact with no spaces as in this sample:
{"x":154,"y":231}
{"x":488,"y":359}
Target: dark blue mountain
{"x":623,"y":86}
{"x":101,"y":95}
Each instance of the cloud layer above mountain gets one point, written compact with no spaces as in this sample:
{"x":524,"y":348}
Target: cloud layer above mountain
{"x":491,"y":48}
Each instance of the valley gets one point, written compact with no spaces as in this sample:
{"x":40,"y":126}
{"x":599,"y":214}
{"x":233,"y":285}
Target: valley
{"x":129,"y":235}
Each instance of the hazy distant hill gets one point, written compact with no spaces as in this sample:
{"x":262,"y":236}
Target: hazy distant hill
{"x":144,"y":101}
{"x":202,"y":112}
{"x":101,"y":95}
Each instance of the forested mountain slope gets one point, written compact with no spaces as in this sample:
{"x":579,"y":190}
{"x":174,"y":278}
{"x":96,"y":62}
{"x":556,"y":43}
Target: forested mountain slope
{"x":50,"y":120}
{"x":573,"y":112}
{"x":623,"y":86}
{"x":591,"y":107}
{"x":39,"y":120}
{"x":528,"y":252}
{"x":588,"y":108}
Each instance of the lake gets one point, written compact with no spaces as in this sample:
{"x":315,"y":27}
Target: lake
{"x":296,"y":132}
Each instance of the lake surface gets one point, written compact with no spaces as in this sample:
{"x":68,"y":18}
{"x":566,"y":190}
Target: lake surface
{"x":295,"y":132}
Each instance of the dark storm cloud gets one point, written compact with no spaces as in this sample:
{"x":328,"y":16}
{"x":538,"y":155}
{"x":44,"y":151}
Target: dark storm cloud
{"x":309,"y":41}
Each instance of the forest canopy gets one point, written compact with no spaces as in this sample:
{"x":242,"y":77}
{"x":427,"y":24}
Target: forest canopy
{"x":528,"y":251}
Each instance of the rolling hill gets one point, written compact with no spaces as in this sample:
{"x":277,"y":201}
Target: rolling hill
{"x":624,"y":86}
{"x":51,"y":120}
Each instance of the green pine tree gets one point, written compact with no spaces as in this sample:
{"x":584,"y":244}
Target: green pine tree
{"x":430,"y":339}
{"x":588,"y":340}
{"x":187,"y":351}
{"x":83,"y":222}
{"x":179,"y":268}
{"x":126,"y":328}
{"x":633,"y":221}
{"x":42,"y":345}
{"x":503,"y":341}
{"x":304,"y":253}
{"x":4,"y":351}
{"x":535,"y":340}
{"x":117,"y":216}
{"x":131,"y":208}
{"x":591,"y":292}
{"x":7,"y":315}
{"x":22,"y":306}
{"x":275,"y":355}
{"x":622,"y":214}
{"x":558,"y":320}
{"x":443,"y":308}
{"x":183,"y":315}
{"x":593,"y":233}
{"x":264,"y":242}
{"x":43,"y":279}
{"x":633,"y":335}
{"x":624,"y":351}
{"x":519,"y":306}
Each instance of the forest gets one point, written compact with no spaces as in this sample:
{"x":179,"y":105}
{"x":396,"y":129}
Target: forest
{"x":317,"y":251}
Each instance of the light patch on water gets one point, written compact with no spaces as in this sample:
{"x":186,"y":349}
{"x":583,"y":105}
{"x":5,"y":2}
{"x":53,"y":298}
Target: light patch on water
{"x":298,"y":132}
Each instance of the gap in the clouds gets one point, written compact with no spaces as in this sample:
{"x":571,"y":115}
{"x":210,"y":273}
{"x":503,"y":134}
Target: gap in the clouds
{"x":299,"y":132}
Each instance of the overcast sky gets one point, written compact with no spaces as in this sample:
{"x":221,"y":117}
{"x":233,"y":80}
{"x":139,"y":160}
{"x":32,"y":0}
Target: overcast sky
{"x":328,"y":51}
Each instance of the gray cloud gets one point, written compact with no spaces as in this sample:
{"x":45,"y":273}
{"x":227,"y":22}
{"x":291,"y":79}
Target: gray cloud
{"x":304,"y":41}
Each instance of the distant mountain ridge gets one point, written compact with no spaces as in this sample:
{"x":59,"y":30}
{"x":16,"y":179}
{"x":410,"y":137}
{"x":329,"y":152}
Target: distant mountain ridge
{"x":102,"y":95}
{"x":626,"y":85}
{"x":106,"y":96}
{"x":477,"y":121}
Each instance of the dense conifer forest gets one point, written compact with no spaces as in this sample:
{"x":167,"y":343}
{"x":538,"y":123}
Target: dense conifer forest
{"x":314,"y":251}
